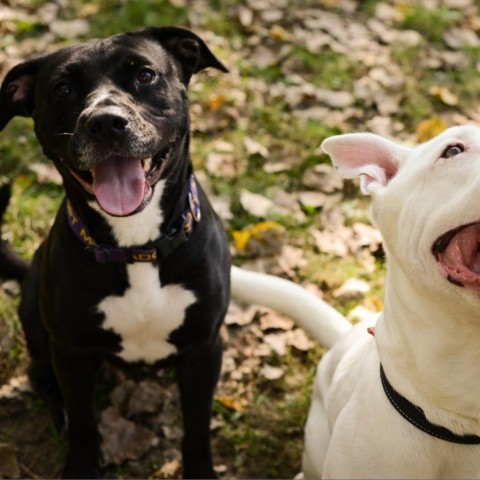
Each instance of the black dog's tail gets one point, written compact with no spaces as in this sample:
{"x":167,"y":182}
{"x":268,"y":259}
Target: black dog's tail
{"x":12,"y":266}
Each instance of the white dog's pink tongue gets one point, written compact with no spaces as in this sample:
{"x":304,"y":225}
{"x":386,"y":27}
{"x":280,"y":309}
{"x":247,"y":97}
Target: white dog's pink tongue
{"x":460,"y":260}
{"x":119,"y":185}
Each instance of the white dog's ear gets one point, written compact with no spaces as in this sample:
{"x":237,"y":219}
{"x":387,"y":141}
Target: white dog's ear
{"x":375,"y":159}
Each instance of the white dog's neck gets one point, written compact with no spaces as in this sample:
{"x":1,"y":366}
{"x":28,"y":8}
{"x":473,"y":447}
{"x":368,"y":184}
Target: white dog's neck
{"x":430,"y":349}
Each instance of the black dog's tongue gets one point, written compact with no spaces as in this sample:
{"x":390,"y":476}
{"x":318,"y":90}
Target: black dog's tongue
{"x":119,"y":185}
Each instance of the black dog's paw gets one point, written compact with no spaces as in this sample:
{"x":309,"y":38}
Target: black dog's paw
{"x":78,"y":471}
{"x":199,"y":472}
{"x":82,"y":463}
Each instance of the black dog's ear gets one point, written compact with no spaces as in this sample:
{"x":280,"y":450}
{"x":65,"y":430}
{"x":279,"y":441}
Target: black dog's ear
{"x":17,"y":93}
{"x":187,"y":47}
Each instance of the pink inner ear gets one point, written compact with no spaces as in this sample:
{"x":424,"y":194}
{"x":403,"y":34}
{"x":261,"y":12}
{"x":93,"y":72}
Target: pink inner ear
{"x":370,"y":156}
{"x":19,"y":89}
{"x":366,"y":151}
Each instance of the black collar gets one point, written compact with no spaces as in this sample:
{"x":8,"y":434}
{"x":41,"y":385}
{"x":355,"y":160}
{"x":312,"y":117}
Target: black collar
{"x":149,"y":253}
{"x":416,"y":417}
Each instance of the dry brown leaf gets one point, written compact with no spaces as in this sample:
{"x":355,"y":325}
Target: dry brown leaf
{"x":172,"y":469}
{"x":298,"y":339}
{"x":122,"y":439}
{"x":323,"y":178}
{"x":312,"y":199}
{"x":274,"y":321}
{"x":277,"y":342}
{"x":46,"y":173}
{"x":9,"y":467}
{"x":352,"y":289}
{"x":271,"y":373}
{"x":332,"y":241}
{"x":253,"y":147}
{"x":255,"y":204}
{"x":146,"y":398}
{"x":239,"y":315}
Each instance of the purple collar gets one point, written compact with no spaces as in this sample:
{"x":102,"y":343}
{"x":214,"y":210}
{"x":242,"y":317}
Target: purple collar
{"x":149,"y":253}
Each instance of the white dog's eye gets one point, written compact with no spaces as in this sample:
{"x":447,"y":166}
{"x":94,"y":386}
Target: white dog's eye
{"x":453,"y":150}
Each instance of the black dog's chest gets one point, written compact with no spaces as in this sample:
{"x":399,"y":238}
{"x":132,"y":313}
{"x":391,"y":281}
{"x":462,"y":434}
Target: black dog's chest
{"x":146,"y":314}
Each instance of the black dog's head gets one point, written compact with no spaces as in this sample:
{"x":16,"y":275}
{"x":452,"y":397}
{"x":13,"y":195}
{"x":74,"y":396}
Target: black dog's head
{"x":111,"y":113}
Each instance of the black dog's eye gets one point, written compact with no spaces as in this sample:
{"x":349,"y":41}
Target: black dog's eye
{"x":145,"y":76}
{"x":453,"y":150}
{"x":62,"y":90}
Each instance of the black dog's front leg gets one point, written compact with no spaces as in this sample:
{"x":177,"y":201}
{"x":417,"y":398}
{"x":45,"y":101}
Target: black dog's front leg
{"x":198,"y":372}
{"x":76,"y":375}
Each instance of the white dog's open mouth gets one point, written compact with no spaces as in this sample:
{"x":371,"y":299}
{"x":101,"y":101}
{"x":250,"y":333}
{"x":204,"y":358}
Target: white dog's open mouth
{"x":123,"y":185}
{"x":457,"y":253}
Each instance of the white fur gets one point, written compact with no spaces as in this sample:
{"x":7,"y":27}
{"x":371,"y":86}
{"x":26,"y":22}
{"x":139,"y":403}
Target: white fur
{"x":140,"y":228}
{"x":428,"y":336}
{"x":146,"y":314}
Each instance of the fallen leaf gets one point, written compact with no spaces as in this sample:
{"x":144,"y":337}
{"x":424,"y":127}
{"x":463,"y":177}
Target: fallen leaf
{"x":274,"y":321}
{"x":9,"y":467}
{"x":69,"y":29}
{"x":271,"y":373}
{"x":46,"y":173}
{"x":323,"y":178}
{"x":429,"y":128}
{"x":457,"y":38}
{"x":172,"y":469}
{"x":145,"y":398}
{"x":445,"y":95}
{"x":332,"y":241}
{"x":298,"y":339}
{"x":311,"y":199}
{"x":360,"y":313}
{"x":261,"y":239}
{"x":231,"y":403}
{"x":122,"y":439}
{"x":254,"y":147}
{"x":255,"y":204}
{"x":220,"y":164}
{"x":277,"y":342}
{"x":237,"y":315}
{"x":352,"y":289}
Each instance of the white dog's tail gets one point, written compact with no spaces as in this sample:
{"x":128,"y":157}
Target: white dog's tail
{"x":316,"y":317}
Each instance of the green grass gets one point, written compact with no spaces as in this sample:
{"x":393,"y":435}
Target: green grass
{"x":430,"y":22}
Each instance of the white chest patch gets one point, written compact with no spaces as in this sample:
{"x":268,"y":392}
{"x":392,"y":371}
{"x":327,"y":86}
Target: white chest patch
{"x":146,"y":314}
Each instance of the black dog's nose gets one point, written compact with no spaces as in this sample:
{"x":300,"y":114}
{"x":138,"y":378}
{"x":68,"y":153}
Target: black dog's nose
{"x":107,"y":124}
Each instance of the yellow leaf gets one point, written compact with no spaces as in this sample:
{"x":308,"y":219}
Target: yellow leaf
{"x":230,"y":403}
{"x":279,"y":33}
{"x":216,"y":101}
{"x":429,"y":129}
{"x":242,"y":237}
{"x":445,"y":95}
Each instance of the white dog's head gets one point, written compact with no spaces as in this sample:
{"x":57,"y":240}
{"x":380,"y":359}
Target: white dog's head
{"x":425,"y":201}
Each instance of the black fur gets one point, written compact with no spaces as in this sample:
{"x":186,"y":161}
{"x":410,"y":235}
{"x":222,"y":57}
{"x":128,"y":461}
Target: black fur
{"x":64,"y":285}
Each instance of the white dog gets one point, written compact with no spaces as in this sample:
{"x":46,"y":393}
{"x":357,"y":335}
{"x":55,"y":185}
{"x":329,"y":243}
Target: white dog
{"x":420,"y":418}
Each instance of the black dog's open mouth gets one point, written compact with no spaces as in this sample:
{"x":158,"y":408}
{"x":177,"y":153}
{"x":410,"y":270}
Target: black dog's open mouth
{"x":458,"y":254}
{"x":122,"y":185}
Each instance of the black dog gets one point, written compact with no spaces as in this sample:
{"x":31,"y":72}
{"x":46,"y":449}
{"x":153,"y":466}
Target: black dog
{"x":136,"y":266}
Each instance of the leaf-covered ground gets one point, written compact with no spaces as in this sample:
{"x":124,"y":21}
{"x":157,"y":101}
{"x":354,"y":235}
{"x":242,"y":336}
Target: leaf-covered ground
{"x":299,"y":72}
